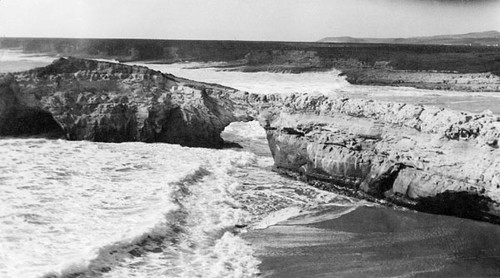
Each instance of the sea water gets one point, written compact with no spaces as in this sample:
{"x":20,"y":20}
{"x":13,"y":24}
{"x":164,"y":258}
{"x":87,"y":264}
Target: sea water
{"x":139,"y":210}
{"x":14,"y":60}
{"x":85,"y":209}
{"x":330,"y":83}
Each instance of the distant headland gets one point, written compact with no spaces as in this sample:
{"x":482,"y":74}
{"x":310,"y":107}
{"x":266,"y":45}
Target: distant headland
{"x":488,"y":38}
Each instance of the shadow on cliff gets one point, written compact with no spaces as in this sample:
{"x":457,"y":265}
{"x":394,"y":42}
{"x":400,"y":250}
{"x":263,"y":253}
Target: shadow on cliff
{"x":31,"y":122}
{"x":19,"y":120}
{"x":460,"y":204}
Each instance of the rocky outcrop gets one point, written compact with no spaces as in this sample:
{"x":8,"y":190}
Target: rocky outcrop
{"x":389,"y":151}
{"x":107,"y":102}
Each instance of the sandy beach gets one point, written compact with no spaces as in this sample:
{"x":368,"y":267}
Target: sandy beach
{"x":377,"y":242}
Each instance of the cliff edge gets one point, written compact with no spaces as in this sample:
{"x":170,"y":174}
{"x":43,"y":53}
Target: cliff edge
{"x":427,"y":158}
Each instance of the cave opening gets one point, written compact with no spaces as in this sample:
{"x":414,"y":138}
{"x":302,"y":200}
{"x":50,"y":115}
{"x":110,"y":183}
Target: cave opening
{"x":31,"y":122}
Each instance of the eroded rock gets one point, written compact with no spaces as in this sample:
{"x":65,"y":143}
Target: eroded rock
{"x":16,"y":118}
{"x":398,"y":152}
{"x":107,"y":102}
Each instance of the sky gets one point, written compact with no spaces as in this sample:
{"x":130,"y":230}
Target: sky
{"x":276,"y":20}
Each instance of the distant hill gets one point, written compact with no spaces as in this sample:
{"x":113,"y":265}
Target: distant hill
{"x":490,"y":38}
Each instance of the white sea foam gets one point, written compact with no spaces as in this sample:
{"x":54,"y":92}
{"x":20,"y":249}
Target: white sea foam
{"x":205,"y":246}
{"x":136,"y":210}
{"x":318,"y":215}
{"x":68,"y":199}
{"x":277,"y":216}
{"x":259,"y":82}
{"x":249,"y":130}
{"x":9,"y":55}
{"x":66,"y":204}
{"x":16,"y":60}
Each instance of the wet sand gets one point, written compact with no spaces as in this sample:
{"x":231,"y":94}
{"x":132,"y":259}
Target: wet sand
{"x":378,"y":242}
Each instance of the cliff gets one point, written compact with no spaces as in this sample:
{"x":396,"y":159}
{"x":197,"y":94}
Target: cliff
{"x":468,"y":82}
{"x":106,"y":102}
{"x":427,"y":158}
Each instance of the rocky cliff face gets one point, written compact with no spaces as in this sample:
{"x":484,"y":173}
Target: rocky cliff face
{"x":468,"y":82}
{"x":106,"y":102}
{"x":16,"y":118}
{"x":407,"y":154}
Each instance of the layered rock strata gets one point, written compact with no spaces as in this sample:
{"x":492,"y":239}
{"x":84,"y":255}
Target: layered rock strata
{"x":468,"y":82}
{"x":409,"y":154}
{"x":107,"y":102}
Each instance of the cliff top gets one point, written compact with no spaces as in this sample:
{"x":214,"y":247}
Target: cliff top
{"x":73,"y":65}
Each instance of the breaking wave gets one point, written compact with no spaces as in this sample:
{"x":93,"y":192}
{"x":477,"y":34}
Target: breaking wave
{"x":84,"y":209}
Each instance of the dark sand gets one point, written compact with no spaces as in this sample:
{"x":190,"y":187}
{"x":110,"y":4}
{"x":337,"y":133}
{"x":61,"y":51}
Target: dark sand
{"x":378,"y":242}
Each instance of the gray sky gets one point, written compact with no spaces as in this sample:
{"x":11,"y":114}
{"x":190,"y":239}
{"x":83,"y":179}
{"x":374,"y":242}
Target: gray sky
{"x":289,"y":20}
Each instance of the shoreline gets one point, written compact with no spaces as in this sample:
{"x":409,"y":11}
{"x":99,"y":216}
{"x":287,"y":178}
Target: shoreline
{"x":447,"y":204}
{"x":377,"y":242}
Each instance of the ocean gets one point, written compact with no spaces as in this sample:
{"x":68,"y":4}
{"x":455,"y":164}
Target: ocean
{"x":86,"y":209}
